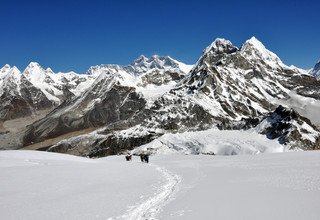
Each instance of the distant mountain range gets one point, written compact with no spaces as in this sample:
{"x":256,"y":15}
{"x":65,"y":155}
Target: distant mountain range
{"x":113,"y":108}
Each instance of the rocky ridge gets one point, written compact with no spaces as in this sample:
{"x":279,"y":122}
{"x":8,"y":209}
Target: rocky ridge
{"x":228,"y":88}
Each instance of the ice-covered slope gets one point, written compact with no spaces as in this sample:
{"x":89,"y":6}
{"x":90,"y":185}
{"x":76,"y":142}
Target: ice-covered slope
{"x":213,"y":142}
{"x":266,"y":186}
{"x":281,"y":131}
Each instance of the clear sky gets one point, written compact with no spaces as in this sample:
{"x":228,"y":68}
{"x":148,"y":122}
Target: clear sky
{"x":75,"y":34}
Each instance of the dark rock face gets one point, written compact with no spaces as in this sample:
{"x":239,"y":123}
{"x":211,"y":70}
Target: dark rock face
{"x":159,"y":78}
{"x":28,"y":100}
{"x":290,"y":128}
{"x":115,"y":145}
{"x":309,"y":86}
{"x":280,"y":124}
{"x":102,"y":145}
{"x":117,"y":103}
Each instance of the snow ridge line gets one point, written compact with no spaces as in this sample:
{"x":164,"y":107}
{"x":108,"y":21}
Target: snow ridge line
{"x":151,"y":208}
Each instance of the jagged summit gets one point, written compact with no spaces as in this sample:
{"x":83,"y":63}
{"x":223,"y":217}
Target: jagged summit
{"x":5,"y":67}
{"x":228,"y":88}
{"x":144,"y":64}
{"x":33,"y":68}
{"x":141,"y":58}
{"x":255,"y":43}
{"x":5,"y":70}
{"x":220,"y":45}
{"x":254,"y":50}
{"x":33,"y":64}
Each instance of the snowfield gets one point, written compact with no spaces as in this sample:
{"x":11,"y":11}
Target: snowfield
{"x":213,"y":141}
{"x":41,"y":185}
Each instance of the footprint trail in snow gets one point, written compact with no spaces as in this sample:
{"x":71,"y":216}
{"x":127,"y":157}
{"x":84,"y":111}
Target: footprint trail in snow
{"x":151,"y":208}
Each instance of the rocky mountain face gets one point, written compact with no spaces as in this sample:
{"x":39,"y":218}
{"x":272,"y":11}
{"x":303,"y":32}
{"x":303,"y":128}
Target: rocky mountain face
{"x":117,"y":94}
{"x":289,"y":127}
{"x":127,"y":106}
{"x":316,"y":70}
{"x":19,"y":97}
{"x":228,"y":88}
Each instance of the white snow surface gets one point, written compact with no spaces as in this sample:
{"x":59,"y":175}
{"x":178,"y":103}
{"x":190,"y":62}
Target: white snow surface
{"x":41,"y":185}
{"x":213,"y":141}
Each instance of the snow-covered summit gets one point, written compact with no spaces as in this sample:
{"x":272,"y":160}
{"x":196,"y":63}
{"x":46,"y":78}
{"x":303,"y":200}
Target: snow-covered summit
{"x":144,"y":65}
{"x":5,"y":69}
{"x":220,"y":45}
{"x":253,"y":50}
{"x":11,"y":76}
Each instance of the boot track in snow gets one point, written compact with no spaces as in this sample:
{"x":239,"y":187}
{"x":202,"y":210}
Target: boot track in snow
{"x":151,"y":208}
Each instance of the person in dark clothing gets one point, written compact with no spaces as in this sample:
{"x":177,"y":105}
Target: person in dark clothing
{"x":146,"y":158}
{"x":128,"y":157}
{"x":142,"y":157}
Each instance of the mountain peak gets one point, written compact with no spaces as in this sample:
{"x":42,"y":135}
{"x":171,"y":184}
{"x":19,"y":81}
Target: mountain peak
{"x":33,"y":68}
{"x":220,"y":45}
{"x":49,"y":70}
{"x":143,"y":63}
{"x":33,"y":64}
{"x":253,"y":49}
{"x":155,"y":56}
{"x":15,"y":69}
{"x":255,"y":43}
{"x":7,"y":66}
{"x":5,"y":69}
{"x":141,"y":58}
{"x":317,"y":66}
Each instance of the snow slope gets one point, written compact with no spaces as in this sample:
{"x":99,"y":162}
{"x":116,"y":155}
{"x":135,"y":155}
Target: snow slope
{"x":41,"y":185}
{"x":266,"y":186}
{"x":213,"y":141}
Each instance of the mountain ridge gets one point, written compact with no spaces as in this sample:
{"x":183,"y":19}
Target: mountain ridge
{"x":229,"y":87}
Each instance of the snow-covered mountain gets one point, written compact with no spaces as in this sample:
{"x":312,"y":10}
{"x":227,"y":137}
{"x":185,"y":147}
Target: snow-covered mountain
{"x":316,"y":70}
{"x":111,"y":93}
{"x":228,"y":88}
{"x":36,"y":89}
{"x":19,"y":97}
{"x":127,"y":106}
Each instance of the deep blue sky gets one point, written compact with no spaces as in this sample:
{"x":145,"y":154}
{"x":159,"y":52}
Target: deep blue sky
{"x":75,"y":34}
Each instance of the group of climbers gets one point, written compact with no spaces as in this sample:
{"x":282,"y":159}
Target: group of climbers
{"x":144,"y":157}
